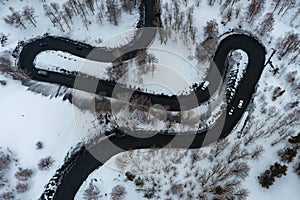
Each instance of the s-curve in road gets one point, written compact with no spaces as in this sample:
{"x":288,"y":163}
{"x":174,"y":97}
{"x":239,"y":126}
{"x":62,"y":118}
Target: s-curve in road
{"x":71,"y":180}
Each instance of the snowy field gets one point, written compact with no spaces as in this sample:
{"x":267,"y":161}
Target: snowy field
{"x":27,"y":118}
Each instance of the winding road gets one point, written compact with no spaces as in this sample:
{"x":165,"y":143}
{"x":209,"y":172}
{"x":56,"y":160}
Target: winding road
{"x":86,"y":163}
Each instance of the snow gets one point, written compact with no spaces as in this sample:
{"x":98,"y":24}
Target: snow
{"x":58,"y":60}
{"x":78,"y":31}
{"x":27,"y":117}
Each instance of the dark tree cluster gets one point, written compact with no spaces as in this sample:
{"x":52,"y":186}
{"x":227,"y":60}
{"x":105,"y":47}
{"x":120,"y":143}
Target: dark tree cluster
{"x":267,"y":178}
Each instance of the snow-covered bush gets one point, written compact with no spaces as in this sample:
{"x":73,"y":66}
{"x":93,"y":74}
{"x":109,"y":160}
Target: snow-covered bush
{"x":267,"y":178}
{"x":45,"y":163}
{"x":5,"y":160}
{"x":39,"y":145}
{"x":22,"y":187}
{"x":23,"y":174}
{"x":118,"y":192}
{"x":92,"y":192}
{"x":7,"y":196}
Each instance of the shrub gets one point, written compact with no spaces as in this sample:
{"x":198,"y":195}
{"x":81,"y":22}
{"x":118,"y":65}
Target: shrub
{"x":92,"y":192}
{"x":7,"y":196}
{"x":297,"y":168}
{"x":129,"y":176}
{"x":23,"y":174}
{"x":295,"y":139}
{"x":5,"y":160}
{"x":177,"y":189}
{"x":3,"y":83}
{"x":39,"y":145}
{"x":22,"y":187}
{"x":287,"y":155}
{"x":139,"y":182}
{"x":45,"y":163}
{"x":267,"y":178}
{"x":118,"y":192}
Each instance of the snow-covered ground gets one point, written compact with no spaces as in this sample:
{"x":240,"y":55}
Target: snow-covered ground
{"x":27,"y":117}
{"x":94,"y":34}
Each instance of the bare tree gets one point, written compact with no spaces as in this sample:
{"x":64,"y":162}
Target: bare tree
{"x":118,"y":192}
{"x":45,"y":163}
{"x":236,"y":153}
{"x":55,"y":7}
{"x":227,"y":16}
{"x":68,"y":11}
{"x":267,"y":24}
{"x":296,"y":15}
{"x":257,"y":152}
{"x":74,"y":5}
{"x":211,"y":29}
{"x":22,"y":187}
{"x":218,"y":148}
{"x":7,"y":195}
{"x":113,"y":11}
{"x":288,"y":44}
{"x":211,"y":2}
{"x":92,"y":192}
{"x":5,"y":161}
{"x":287,"y":5}
{"x":53,"y":18}
{"x":254,"y":8}
{"x":240,"y":169}
{"x":238,"y":11}
{"x":277,"y":3}
{"x":128,"y":5}
{"x":28,"y":13}
{"x":64,"y":16}
{"x":90,"y":5}
{"x":100,"y":17}
{"x":23,"y":174}
{"x":15,"y":18}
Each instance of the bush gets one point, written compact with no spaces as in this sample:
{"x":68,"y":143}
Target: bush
{"x":45,"y":163}
{"x":267,"y":178}
{"x":118,"y":192}
{"x":295,"y":139}
{"x":278,"y":170}
{"x":3,"y":83}
{"x":5,"y":160}
{"x":91,"y":193}
{"x":130,"y":176}
{"x":139,"y":182}
{"x":7,"y":196}
{"x":287,"y":155}
{"x":297,"y":169}
{"x":23,"y":174}
{"x":39,"y":145}
{"x":22,"y":187}
{"x":177,"y":189}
